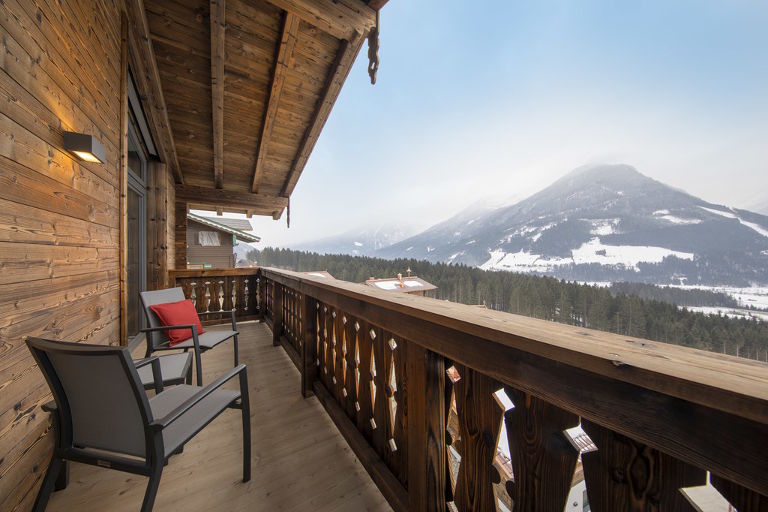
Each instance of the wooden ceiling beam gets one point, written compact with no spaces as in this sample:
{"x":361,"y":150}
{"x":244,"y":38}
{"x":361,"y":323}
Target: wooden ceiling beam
{"x":218,"y":33}
{"x":146,"y":73}
{"x":213,"y":199}
{"x":340,"y":18}
{"x":288,"y":39}
{"x":344,"y":60}
{"x":376,"y":4}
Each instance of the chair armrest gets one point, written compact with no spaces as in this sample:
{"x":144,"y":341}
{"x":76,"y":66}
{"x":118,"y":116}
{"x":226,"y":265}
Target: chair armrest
{"x":169,"y":327}
{"x":157,"y":375}
{"x":161,"y":423}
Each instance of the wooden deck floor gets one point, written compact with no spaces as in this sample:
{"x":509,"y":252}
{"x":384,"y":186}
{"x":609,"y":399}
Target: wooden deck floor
{"x":300,"y":460}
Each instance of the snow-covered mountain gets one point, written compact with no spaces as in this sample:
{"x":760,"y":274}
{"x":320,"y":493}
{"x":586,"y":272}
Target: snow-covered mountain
{"x":359,"y":242}
{"x":604,"y":223}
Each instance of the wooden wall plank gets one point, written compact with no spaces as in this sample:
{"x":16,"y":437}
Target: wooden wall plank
{"x":218,"y":34}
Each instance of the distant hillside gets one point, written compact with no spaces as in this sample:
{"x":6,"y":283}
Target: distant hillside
{"x":358,"y":242}
{"x":604,"y":223}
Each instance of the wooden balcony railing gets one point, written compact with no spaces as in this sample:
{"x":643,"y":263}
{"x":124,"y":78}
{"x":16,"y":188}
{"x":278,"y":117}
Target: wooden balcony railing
{"x":414,"y":384}
{"x":221,"y":290}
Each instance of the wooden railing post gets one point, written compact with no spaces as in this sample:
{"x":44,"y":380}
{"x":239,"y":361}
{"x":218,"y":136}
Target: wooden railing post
{"x":309,"y":347}
{"x":426,"y":429}
{"x":277,"y":313}
{"x":262,"y":305}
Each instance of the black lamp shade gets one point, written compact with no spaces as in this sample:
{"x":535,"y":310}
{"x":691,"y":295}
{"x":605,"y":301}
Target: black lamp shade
{"x":85,"y":147}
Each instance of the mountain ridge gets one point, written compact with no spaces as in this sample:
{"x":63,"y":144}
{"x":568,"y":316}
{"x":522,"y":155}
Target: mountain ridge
{"x":603,"y":221}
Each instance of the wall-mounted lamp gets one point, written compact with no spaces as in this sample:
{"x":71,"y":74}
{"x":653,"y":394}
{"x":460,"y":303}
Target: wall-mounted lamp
{"x":85,"y":147}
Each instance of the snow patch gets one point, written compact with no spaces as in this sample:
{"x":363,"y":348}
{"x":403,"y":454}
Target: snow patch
{"x":409,"y":248}
{"x":470,"y":242}
{"x":589,"y":252}
{"x":358,"y":244}
{"x":661,"y":212}
{"x":430,"y":249}
{"x":604,"y":227}
{"x":627,"y":255}
{"x":679,"y":220}
{"x":745,"y":314}
{"x":455,"y":255}
{"x":457,"y":233}
{"x":470,"y":222}
{"x":730,"y":215}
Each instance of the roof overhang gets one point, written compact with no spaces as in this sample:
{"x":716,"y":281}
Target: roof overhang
{"x":245,"y":89}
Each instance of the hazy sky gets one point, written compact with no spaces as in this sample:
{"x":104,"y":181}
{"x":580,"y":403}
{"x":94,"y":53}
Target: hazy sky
{"x":481,"y":98}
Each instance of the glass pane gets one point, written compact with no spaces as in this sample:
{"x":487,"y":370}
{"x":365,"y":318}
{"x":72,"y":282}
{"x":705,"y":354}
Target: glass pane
{"x":134,"y":159}
{"x":133,"y":263}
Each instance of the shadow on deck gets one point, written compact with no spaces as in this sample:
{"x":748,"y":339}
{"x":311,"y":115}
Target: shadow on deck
{"x":300,"y":460}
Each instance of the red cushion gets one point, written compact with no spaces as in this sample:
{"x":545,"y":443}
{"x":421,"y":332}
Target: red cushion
{"x":178,"y":313}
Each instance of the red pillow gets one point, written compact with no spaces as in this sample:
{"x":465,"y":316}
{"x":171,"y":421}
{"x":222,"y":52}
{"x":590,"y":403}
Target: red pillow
{"x":178,"y":313}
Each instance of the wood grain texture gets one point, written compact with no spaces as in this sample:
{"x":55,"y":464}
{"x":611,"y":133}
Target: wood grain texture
{"x":340,"y":18}
{"x":626,"y":475}
{"x":218,"y":35}
{"x":147,"y":75}
{"x":687,"y":388}
{"x":123,"y":173}
{"x":288,"y":39}
{"x":60,"y":70}
{"x":427,"y":455}
{"x":203,"y":197}
{"x":480,"y":417}
{"x":743,"y":499}
{"x":543,"y":460}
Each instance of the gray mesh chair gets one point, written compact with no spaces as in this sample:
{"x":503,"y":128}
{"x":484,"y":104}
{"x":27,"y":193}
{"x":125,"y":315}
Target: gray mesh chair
{"x":102,"y":415}
{"x":156,"y":332}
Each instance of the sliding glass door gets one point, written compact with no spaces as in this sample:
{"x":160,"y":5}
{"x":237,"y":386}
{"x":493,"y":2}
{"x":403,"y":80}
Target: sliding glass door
{"x":136,"y":263}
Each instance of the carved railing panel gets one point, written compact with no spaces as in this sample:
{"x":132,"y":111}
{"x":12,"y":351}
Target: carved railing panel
{"x":424,"y":406}
{"x":220,"y":290}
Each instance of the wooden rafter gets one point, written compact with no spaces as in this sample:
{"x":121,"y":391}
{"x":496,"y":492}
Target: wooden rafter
{"x":344,"y":60}
{"x":287,"y":44}
{"x":340,"y":18}
{"x":148,"y":77}
{"x":228,"y":199}
{"x":376,"y":4}
{"x":218,"y":32}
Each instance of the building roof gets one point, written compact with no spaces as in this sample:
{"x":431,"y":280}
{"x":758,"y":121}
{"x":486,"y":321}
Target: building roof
{"x":409,"y":284}
{"x":239,"y":224}
{"x":226,"y":225}
{"x":319,"y":273}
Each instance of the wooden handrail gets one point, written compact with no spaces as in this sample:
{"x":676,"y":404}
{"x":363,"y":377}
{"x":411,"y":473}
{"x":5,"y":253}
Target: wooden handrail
{"x":684,"y":410}
{"x":222,"y":289}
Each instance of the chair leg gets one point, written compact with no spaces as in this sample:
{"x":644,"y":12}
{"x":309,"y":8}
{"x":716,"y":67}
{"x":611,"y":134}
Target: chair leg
{"x":199,"y":368}
{"x":62,"y":481}
{"x":152,"y":486}
{"x":236,"y":352}
{"x":48,"y":482}
{"x":245,"y":403}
